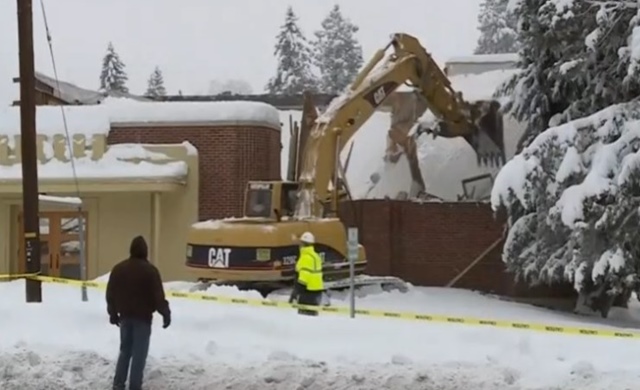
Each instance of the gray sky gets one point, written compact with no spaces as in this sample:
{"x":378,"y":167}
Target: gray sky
{"x":195,"y":41}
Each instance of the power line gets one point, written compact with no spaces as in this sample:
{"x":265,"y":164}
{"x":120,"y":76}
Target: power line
{"x":64,"y":116}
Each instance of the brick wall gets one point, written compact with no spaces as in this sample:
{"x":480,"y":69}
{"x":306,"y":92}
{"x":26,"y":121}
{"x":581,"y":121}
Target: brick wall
{"x":228,"y":158}
{"x":429,"y":244}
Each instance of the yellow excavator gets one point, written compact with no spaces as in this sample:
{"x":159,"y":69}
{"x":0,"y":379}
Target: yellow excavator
{"x":259,"y":250}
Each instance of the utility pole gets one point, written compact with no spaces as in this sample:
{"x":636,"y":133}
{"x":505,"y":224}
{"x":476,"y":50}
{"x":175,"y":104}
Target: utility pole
{"x":31,"y":218}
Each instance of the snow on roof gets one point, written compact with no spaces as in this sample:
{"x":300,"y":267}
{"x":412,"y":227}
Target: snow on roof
{"x":68,"y":200}
{"x":69,"y":92}
{"x":115,"y":164}
{"x":130,"y":112}
{"x":98,"y":119}
{"x":191,"y":149}
{"x":481,"y":86}
{"x":88,"y":120}
{"x":484,"y":58}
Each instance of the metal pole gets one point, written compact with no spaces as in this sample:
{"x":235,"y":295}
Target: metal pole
{"x":352,"y":246}
{"x":352,"y":287}
{"x":33,"y":289}
{"x":83,"y":259}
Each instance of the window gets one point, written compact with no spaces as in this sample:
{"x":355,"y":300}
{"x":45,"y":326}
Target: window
{"x":258,"y":203}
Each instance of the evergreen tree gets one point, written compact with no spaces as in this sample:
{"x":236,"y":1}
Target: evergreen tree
{"x":294,"y":74}
{"x":113,"y":76}
{"x":338,"y":54}
{"x":550,"y":49}
{"x":498,"y":28}
{"x":610,"y":68}
{"x":573,"y":199}
{"x":573,"y":196}
{"x":155,"y":84}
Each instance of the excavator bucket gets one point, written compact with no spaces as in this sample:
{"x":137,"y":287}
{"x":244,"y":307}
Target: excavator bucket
{"x":488,"y":139}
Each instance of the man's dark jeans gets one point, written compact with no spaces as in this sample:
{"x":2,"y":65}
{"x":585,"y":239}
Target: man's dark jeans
{"x":135,"y":336}
{"x":309,"y":298}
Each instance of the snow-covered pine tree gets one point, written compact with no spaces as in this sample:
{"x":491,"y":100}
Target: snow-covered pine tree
{"x":155,"y":84}
{"x":498,"y":28}
{"x":113,"y":76}
{"x":575,"y":216}
{"x":337,"y":52}
{"x":294,"y":74}
{"x":609,"y":68}
{"x":551,"y":42}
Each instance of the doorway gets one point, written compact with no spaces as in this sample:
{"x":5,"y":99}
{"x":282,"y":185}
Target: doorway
{"x":59,"y":243}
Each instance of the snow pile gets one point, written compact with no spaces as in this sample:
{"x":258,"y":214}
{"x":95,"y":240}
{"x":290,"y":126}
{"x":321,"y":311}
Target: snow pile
{"x":212,"y":346}
{"x":572,"y":196}
{"x":390,"y":180}
{"x":446,"y":162}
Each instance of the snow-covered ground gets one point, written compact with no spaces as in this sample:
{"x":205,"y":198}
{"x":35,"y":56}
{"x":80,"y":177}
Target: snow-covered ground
{"x":64,"y":343}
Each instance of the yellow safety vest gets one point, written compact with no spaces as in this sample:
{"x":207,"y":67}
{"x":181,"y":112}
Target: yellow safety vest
{"x":309,"y":269}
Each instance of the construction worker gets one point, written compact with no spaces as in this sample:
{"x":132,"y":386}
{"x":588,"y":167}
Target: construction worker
{"x":309,"y":281}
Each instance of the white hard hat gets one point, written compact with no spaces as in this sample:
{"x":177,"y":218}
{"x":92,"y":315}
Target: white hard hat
{"x":307,"y":238}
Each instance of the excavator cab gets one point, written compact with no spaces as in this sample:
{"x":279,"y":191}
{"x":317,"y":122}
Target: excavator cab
{"x":270,"y":199}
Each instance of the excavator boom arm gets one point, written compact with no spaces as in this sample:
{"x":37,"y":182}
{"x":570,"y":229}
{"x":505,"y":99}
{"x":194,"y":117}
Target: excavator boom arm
{"x":408,"y":63}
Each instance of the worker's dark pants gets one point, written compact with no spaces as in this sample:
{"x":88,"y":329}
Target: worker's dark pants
{"x":309,"y":298}
{"x":135,"y":336}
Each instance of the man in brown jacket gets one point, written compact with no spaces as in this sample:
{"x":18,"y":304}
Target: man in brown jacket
{"x":134,"y":293}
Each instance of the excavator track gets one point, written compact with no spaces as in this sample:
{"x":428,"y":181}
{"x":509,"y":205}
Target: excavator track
{"x":386,"y":283}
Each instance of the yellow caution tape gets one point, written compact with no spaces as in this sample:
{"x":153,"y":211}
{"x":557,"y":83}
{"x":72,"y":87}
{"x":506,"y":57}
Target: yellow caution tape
{"x":568,"y":330}
{"x":9,"y":277}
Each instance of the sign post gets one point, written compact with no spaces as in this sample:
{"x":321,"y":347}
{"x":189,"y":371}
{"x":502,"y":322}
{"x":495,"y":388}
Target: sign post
{"x":83,"y":255}
{"x":352,"y":247}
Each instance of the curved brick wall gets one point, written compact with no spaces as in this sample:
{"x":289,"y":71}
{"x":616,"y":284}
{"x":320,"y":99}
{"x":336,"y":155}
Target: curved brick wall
{"x":229,"y":156}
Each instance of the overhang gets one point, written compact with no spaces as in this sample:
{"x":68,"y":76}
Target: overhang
{"x":257,"y":123}
{"x":104,"y":185}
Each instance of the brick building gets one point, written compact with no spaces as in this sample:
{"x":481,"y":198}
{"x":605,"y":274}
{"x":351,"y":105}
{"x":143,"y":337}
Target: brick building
{"x":230,"y":155}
